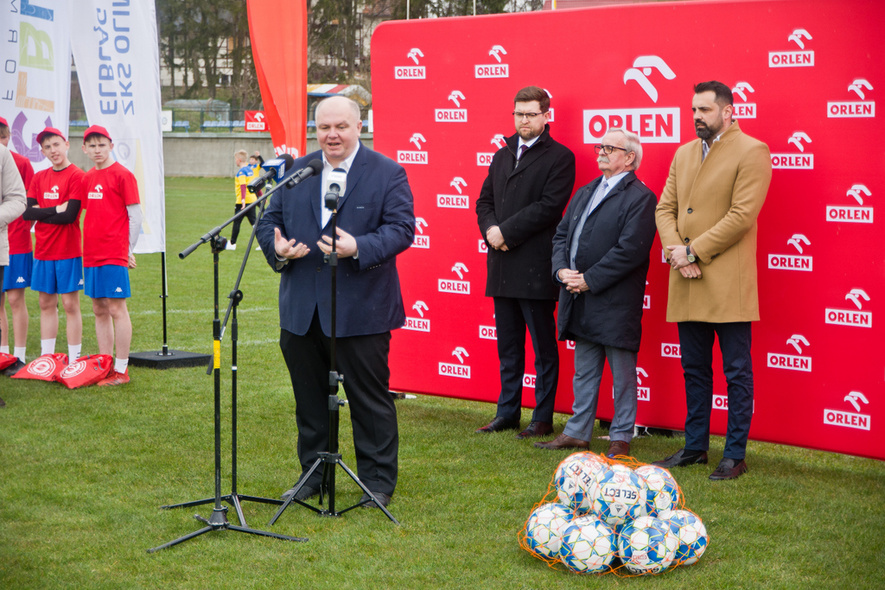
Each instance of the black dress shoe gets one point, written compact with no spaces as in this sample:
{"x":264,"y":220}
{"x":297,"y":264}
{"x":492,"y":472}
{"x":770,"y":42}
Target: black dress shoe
{"x":729,"y":469}
{"x":305,"y":493}
{"x":499,"y":424}
{"x":384,"y":499}
{"x":681,"y":458}
{"x":536,"y":429}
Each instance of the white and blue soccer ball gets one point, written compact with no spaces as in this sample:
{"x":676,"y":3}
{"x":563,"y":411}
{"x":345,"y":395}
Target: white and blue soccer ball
{"x":663,"y":491}
{"x":647,"y":545}
{"x":575,"y":483}
{"x":691,"y":532}
{"x":621,"y":496}
{"x":544,"y":529}
{"x":588,"y":545}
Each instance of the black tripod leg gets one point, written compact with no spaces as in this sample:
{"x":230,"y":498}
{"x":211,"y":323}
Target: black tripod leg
{"x":367,"y":491}
{"x":205,"y":529}
{"x":297,"y":489}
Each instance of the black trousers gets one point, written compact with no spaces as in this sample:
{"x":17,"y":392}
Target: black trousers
{"x":235,"y":231}
{"x":362,"y":360}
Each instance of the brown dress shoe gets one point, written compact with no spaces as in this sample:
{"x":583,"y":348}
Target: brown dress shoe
{"x":618,"y":447}
{"x":536,"y":429}
{"x":563,"y":441}
{"x":499,"y":424}
{"x":729,"y":469}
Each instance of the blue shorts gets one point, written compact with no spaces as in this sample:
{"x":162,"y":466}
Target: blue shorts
{"x":18,"y":273}
{"x":57,"y":276}
{"x":109,"y":281}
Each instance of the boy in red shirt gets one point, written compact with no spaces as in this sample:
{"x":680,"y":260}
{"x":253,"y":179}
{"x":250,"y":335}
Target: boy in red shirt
{"x":110,"y":231}
{"x":18,"y":274}
{"x":54,"y":199}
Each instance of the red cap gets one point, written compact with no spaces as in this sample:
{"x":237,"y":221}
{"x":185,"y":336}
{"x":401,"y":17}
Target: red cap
{"x":49,"y":131}
{"x":97,"y":129}
{"x":3,"y":122}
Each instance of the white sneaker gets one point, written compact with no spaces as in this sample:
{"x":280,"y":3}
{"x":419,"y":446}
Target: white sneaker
{"x":230,"y":246}
{"x":258,"y":248}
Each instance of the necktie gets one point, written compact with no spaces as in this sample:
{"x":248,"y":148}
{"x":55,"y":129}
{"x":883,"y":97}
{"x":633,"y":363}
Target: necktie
{"x":522,"y":150}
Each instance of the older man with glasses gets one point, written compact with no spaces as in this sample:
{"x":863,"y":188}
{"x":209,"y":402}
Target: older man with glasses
{"x":600,"y":259}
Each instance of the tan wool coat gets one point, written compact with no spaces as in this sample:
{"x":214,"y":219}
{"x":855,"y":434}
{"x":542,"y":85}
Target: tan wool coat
{"x":713,"y":204}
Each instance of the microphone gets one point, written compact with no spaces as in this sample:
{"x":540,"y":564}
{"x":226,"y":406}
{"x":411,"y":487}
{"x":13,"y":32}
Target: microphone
{"x":337,"y":183}
{"x":313,"y":167}
{"x":273,"y":169}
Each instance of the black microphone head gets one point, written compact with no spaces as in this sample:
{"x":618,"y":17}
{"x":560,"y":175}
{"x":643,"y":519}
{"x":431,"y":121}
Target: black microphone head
{"x":316,"y":166}
{"x":289,"y":162}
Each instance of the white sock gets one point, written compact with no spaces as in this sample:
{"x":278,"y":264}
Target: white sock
{"x":20,"y":353}
{"x":120,"y":365}
{"x":47,"y":346}
{"x":4,"y":349}
{"x":73,"y":352}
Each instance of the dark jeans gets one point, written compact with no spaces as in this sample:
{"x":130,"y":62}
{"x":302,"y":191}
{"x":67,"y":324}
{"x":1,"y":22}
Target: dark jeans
{"x":696,"y":342}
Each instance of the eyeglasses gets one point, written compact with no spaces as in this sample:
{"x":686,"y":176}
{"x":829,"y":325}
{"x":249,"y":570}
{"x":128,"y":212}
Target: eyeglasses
{"x":528,"y":116}
{"x":608,"y":149}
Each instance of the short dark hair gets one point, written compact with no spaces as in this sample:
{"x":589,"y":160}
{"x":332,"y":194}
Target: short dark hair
{"x":530,"y":93}
{"x":722,"y":92}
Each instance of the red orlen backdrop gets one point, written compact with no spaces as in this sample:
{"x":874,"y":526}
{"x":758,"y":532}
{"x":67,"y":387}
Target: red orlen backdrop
{"x":806,"y":76}
{"x":278,"y":35}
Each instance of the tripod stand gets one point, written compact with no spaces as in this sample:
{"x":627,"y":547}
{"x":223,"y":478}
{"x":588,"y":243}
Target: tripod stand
{"x":218,"y":519}
{"x":332,"y":458}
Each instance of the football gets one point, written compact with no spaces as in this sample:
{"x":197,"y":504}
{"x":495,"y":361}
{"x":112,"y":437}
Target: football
{"x":691,"y":532}
{"x":575,"y":484}
{"x":647,"y":545}
{"x":621,"y":496}
{"x":544,"y":529}
{"x":663,"y":491}
{"x":588,"y":545}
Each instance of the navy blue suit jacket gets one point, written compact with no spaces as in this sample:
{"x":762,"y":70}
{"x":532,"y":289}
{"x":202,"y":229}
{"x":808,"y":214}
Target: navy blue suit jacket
{"x":377,"y":209}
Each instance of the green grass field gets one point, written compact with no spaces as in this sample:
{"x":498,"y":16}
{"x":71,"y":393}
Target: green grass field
{"x":83,"y":473}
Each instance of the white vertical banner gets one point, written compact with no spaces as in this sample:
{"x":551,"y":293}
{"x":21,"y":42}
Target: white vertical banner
{"x":118,"y":64}
{"x":35,"y":72}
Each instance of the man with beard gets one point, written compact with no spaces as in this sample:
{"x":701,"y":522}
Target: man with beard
{"x":707,"y":222}
{"x":528,"y":186}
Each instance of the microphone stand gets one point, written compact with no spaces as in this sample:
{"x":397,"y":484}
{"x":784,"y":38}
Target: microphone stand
{"x":329,"y":460}
{"x":218,"y":519}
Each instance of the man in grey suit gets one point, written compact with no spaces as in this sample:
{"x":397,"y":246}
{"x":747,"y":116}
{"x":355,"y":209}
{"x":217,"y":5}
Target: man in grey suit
{"x":375,"y":222}
{"x":600,"y":258}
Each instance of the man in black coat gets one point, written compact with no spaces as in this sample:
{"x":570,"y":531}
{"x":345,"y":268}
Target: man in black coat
{"x":600,"y":258}
{"x":529,"y":184}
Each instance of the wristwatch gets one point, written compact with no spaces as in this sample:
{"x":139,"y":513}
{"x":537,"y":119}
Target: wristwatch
{"x":691,"y":257}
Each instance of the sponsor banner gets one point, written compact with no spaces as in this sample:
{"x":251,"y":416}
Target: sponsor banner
{"x":256,"y":121}
{"x":117,"y":56}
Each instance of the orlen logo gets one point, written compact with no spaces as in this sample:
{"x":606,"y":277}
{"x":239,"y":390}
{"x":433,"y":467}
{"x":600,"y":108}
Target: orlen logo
{"x":459,"y":201}
{"x":670,"y":350}
{"x":456,"y":115}
{"x":485,"y":158}
{"x":851,"y":317}
{"x":801,"y":161}
{"x":461,"y":287}
{"x":653,"y":125}
{"x":792,"y":362}
{"x":852,"y":214}
{"x":862,"y":109}
{"x":488,"y":332}
{"x":52,"y":194}
{"x":529,"y":380}
{"x":95,"y":193}
{"x":417,"y":156}
{"x":420,"y":323}
{"x":743,"y":109}
{"x":793,"y":59}
{"x":793,"y":261}
{"x":643,"y":394}
{"x":460,"y":369}
{"x":720,"y":402}
{"x":411,"y":72}
{"x":850,"y":419}
{"x":495,"y":70}
{"x":421,"y":240}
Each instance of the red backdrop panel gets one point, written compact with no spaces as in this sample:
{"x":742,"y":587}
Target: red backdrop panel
{"x":806,"y":77}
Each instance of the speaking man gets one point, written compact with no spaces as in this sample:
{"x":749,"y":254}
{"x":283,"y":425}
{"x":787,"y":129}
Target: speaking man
{"x":600,"y":258}
{"x":707,"y":222}
{"x":528,"y":186}
{"x":376,"y":221}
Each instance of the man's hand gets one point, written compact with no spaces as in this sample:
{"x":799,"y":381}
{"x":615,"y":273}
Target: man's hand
{"x":692,"y":271}
{"x":288,"y":248}
{"x":132,"y":261}
{"x":679,"y":261}
{"x":345,"y":244}
{"x":61,"y":208}
{"x":496,"y":238}
{"x":573,"y":280}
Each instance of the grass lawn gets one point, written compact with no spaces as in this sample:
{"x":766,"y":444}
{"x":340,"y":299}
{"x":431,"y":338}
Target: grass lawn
{"x":83,"y":472}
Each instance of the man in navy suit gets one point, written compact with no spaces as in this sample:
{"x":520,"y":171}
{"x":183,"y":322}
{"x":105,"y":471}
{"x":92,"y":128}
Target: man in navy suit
{"x":375,"y":222}
{"x":600,"y":258}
